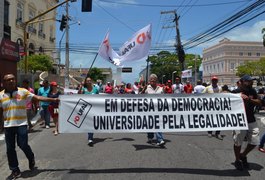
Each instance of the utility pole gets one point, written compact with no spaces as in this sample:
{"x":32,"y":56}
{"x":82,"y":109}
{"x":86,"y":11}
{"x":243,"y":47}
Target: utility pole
{"x":179,"y":48}
{"x":67,"y":63}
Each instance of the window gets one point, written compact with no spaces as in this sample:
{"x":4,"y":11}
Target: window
{"x":31,"y":15}
{"x":6,"y":12}
{"x":240,"y":54}
{"x":20,"y":10}
{"x":258,"y":54}
{"x":249,"y":54}
{"x":232,"y":66}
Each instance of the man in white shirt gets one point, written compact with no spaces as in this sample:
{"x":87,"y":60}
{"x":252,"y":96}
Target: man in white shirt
{"x":178,"y":88}
{"x":153,"y":88}
{"x":214,"y":88}
{"x":199,"y":87}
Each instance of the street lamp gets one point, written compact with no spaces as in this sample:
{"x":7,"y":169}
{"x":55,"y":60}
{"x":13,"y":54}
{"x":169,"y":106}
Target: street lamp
{"x":163,"y":79}
{"x":173,"y":76}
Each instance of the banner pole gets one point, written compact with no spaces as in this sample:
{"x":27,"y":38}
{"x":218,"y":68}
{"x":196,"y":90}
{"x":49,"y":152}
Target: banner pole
{"x":92,"y":64}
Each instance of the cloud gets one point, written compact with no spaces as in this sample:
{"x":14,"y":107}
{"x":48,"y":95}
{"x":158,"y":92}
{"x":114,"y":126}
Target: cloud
{"x":243,"y":33}
{"x":114,"y":3}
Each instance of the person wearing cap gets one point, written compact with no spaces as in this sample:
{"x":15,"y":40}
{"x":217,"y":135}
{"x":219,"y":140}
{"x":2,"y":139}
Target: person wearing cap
{"x":45,"y":114}
{"x":53,"y":106}
{"x":168,"y":87}
{"x":178,"y":88}
{"x":250,"y":98}
{"x":214,"y":88}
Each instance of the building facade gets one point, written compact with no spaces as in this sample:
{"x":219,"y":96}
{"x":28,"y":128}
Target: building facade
{"x":1,"y":19}
{"x":40,"y":33}
{"x":222,"y":59}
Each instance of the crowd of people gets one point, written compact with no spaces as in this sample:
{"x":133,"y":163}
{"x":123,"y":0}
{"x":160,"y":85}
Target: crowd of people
{"x":17,"y":121}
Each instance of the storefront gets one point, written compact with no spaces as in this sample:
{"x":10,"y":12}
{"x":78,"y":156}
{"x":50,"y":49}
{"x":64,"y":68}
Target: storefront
{"x":9,"y":57}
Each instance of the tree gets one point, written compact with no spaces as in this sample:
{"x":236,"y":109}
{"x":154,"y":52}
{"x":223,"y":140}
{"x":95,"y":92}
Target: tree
{"x":165,"y":63}
{"x":253,"y":68}
{"x":38,"y":63}
{"x":96,"y":73}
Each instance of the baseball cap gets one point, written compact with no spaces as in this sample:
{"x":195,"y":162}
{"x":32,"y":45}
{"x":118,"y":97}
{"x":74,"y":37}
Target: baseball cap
{"x":214,"y":78}
{"x":246,"y":77}
{"x":53,"y":83}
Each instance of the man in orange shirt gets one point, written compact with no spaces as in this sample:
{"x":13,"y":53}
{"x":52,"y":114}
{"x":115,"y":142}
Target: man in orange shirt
{"x":188,"y":88}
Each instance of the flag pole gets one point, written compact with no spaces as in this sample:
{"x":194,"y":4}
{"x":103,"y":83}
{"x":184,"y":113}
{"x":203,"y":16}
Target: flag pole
{"x":92,"y":64}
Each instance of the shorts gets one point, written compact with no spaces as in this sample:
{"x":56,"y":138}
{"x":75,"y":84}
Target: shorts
{"x":53,"y":111}
{"x":252,"y":135}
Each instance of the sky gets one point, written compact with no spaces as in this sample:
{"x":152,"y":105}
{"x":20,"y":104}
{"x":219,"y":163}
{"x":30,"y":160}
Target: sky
{"x":124,"y":17}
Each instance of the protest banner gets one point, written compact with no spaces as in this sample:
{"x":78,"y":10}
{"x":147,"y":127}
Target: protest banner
{"x":151,"y":113}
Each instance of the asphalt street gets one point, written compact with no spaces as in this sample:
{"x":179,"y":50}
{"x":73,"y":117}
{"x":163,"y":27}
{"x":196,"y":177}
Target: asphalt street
{"x":128,"y":156}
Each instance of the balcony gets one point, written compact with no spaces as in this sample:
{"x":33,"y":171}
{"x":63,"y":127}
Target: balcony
{"x":32,"y":30}
{"x":19,"y":22}
{"x":41,"y":34}
{"x":52,"y":39}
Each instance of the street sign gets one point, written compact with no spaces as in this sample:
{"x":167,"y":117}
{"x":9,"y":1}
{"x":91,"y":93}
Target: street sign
{"x":126,"y":70}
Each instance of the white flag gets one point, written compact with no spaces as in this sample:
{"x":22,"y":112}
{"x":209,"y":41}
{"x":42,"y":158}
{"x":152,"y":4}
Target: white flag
{"x":107,"y":53}
{"x":138,"y":46}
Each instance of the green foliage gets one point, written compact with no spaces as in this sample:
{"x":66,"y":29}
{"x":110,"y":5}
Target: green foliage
{"x":253,"y":68}
{"x":39,"y":63}
{"x":95,"y":74}
{"x":165,"y":63}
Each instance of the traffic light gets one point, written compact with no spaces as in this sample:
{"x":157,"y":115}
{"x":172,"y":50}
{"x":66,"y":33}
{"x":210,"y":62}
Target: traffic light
{"x":86,"y":5}
{"x":63,"y":22}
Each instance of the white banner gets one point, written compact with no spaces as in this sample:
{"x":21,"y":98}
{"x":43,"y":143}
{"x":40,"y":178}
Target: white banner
{"x":186,"y":73}
{"x":138,"y":46}
{"x":151,"y":113}
{"x":70,"y":91}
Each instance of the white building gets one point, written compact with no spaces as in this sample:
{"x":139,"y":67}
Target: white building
{"x":222,"y":59}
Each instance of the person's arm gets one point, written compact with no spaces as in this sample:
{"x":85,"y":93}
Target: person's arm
{"x":256,"y":101}
{"x":45,"y":99}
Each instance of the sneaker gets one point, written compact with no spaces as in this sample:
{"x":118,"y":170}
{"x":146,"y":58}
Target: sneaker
{"x":150,"y":141}
{"x":14,"y":175}
{"x":90,"y":142}
{"x":219,"y":136}
{"x":47,"y":127}
{"x":261,"y":149}
{"x":32,"y":164}
{"x":210,"y":135}
{"x":161,"y":143}
{"x":239,"y":165}
{"x":244,"y":161}
{"x":55,"y":133}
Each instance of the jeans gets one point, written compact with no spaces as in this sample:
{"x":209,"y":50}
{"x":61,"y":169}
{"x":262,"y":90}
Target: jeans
{"x":262,"y":141}
{"x":90,"y":136}
{"x":159,"y":136}
{"x":45,"y":114}
{"x":19,"y":134}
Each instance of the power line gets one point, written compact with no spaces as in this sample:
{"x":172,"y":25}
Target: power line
{"x":224,"y":24}
{"x":160,"y":5}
